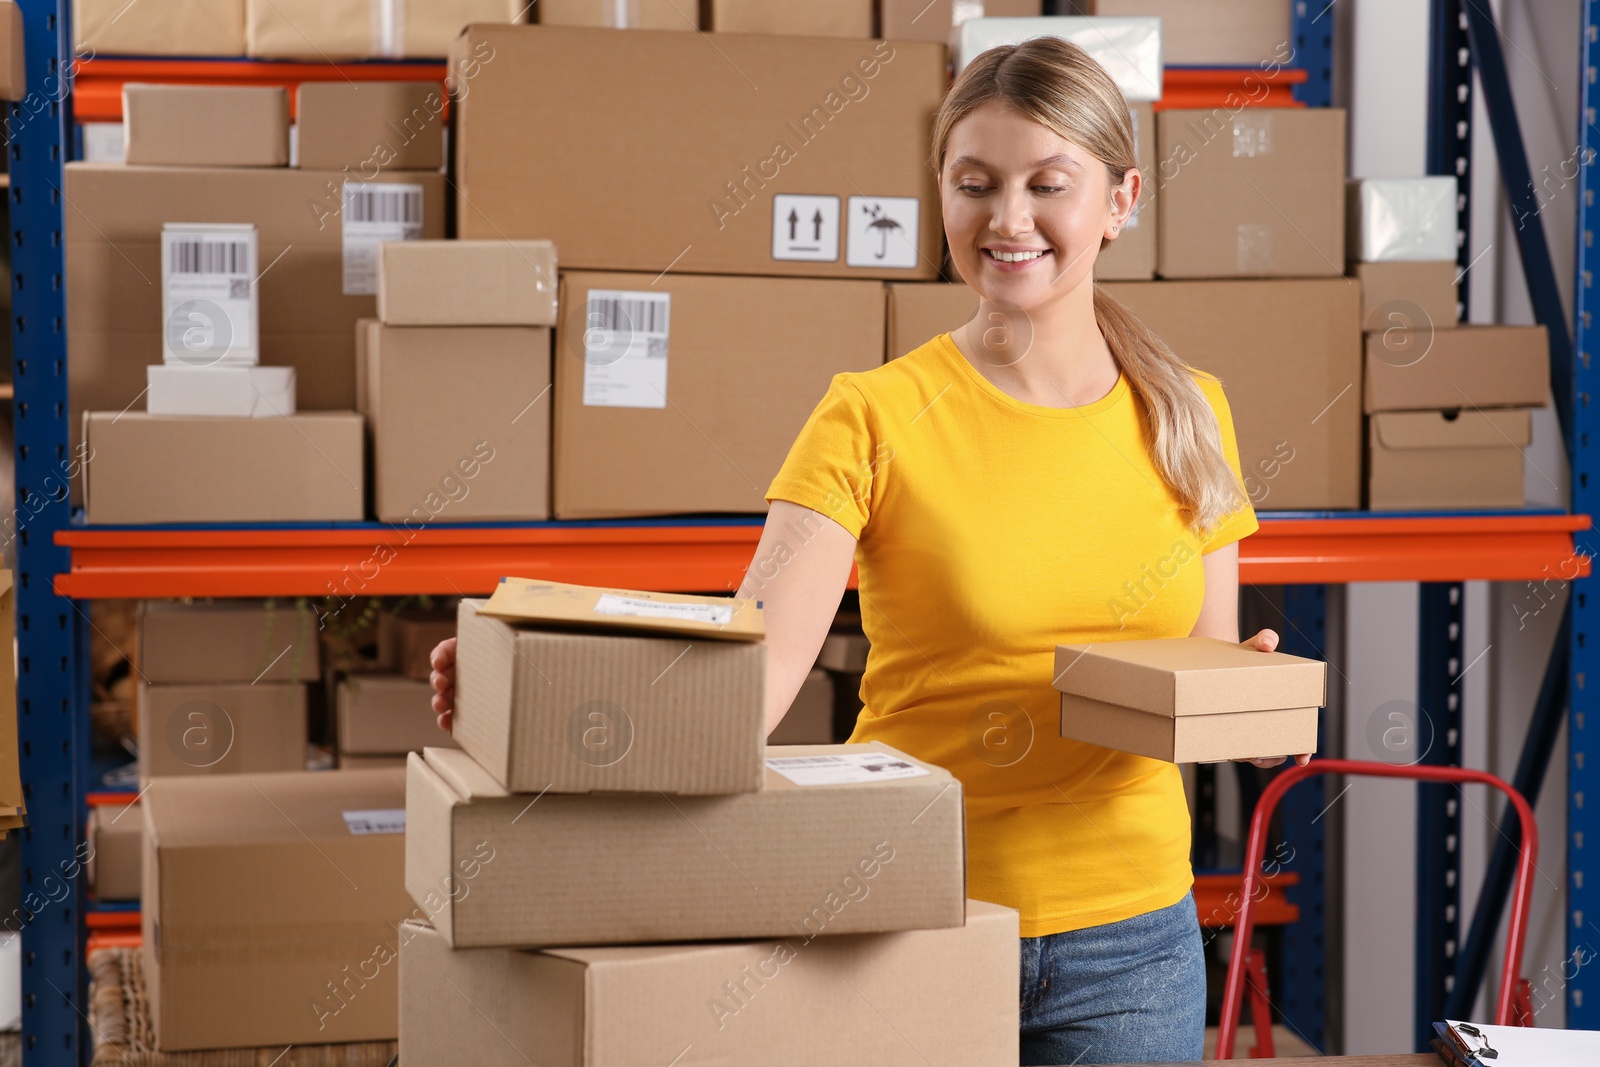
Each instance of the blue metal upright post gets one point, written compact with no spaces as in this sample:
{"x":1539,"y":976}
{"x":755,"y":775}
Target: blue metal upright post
{"x":51,"y":724}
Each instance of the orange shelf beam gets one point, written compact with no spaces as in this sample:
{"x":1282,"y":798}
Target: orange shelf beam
{"x":1217,"y":899}
{"x":384,"y":561}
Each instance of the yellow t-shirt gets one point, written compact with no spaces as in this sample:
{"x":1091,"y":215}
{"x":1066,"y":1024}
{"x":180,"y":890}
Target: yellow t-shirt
{"x":989,"y":531}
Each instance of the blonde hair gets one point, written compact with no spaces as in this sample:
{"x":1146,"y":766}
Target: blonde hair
{"x":1057,"y":84}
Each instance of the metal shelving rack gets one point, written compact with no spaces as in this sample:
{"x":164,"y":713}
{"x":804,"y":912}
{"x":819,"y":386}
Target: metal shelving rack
{"x":59,"y":565}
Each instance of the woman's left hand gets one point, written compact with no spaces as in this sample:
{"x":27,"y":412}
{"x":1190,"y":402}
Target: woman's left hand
{"x":1267,"y":641}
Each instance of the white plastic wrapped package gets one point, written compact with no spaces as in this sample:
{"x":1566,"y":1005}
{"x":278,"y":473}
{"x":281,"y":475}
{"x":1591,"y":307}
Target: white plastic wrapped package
{"x":1128,"y":48}
{"x":1401,"y":219}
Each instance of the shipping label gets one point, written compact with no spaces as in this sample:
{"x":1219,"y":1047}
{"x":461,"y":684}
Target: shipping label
{"x":208,"y":279}
{"x":625,"y":348}
{"x":376,"y":821}
{"x":374,"y":213}
{"x":715,"y":614}
{"x":845,"y":768}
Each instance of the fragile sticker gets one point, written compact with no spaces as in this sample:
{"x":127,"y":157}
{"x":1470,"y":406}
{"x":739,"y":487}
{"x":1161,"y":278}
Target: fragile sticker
{"x":625,"y":348}
{"x":376,"y":821}
{"x":375,"y":213}
{"x":882,"y":231}
{"x":845,"y":768}
{"x":715,"y":614}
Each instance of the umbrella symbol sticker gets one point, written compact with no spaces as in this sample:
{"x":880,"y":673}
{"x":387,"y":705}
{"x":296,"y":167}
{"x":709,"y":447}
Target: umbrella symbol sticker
{"x":883,"y":224}
{"x":883,"y":231}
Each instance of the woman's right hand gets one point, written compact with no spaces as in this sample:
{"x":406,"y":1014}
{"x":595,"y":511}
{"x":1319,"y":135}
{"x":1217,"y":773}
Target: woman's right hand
{"x":443,"y":678}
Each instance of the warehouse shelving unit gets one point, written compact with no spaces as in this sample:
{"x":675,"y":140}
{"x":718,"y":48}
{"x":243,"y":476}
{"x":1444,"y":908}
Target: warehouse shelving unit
{"x":60,"y":565}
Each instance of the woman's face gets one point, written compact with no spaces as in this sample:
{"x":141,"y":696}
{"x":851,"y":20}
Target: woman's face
{"x":1024,"y":209}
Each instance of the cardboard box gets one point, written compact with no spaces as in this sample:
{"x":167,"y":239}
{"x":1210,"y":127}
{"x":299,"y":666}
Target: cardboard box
{"x":547,"y":708}
{"x":221,"y":729}
{"x":467,"y":283}
{"x":210,"y":312}
{"x":1253,"y":193}
{"x":818,"y":18}
{"x":407,"y":638}
{"x":619,"y":14}
{"x":13,"y":67}
{"x":297,"y":468}
{"x":1297,"y":421}
{"x":773,"y":863}
{"x":1408,"y":294}
{"x":236,"y":392}
{"x":313,"y":29}
{"x":116,"y":842}
{"x":809,"y":720}
{"x":844,"y":653}
{"x":271,"y":903}
{"x":920,"y":311}
{"x":114,"y":316}
{"x":636,"y":435}
{"x":1128,"y":48}
{"x":13,"y":803}
{"x":460,"y":421}
{"x":243,"y":641}
{"x":384,"y":715}
{"x":1469,"y":366}
{"x":807,"y":144}
{"x":427,"y":29}
{"x":1401,"y":218}
{"x":1131,"y":256}
{"x":369,"y":125}
{"x":349,"y":761}
{"x":168,"y":28}
{"x":1190,"y":699}
{"x":591,"y":608}
{"x":881,"y":999}
{"x":1447,"y":459}
{"x":1213,"y":33}
{"x":919,"y":20}
{"x":206,"y":125}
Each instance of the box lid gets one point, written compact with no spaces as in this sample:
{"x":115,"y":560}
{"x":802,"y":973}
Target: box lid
{"x":1189,"y":676}
{"x":530,"y":601}
{"x":1483,"y":428}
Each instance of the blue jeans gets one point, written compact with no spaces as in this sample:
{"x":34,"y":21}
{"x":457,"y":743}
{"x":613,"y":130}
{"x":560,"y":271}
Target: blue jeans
{"x":1126,"y":992}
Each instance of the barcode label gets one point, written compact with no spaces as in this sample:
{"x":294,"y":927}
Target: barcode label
{"x":625,"y":348}
{"x":210,"y":257}
{"x":375,"y":213}
{"x":716,"y":614}
{"x":208,"y":298}
{"x":376,"y":821}
{"x":844,"y":769}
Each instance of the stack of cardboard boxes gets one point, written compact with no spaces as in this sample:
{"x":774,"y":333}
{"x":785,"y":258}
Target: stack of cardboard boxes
{"x":385,"y":713}
{"x":614,"y":792}
{"x":1447,"y":404}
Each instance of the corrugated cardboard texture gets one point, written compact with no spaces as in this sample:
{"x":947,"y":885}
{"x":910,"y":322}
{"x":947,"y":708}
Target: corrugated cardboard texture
{"x":313,"y":29}
{"x":518,"y":600}
{"x":568,"y":712}
{"x":169,"y":28}
{"x":113,"y":236}
{"x":264,"y":916}
{"x":618,"y":14}
{"x":720,"y":438}
{"x":920,"y":20}
{"x":921,"y":311}
{"x":380,"y":715}
{"x":1256,"y":193}
{"x":1216,"y":33}
{"x":1297,"y":420}
{"x":294,"y":468}
{"x":809,"y":720}
{"x":1434,"y":459}
{"x":116,"y":835}
{"x":1190,"y":738}
{"x":467,"y":283}
{"x":1469,"y":366}
{"x":221,"y":729}
{"x":885,"y":999}
{"x":766,"y":864}
{"x":1182,"y":676}
{"x":13,"y":67}
{"x":206,"y":125}
{"x":818,"y":18}
{"x":406,"y":639}
{"x":1131,"y":256}
{"x":1406,"y":294}
{"x":365,"y":125}
{"x":227,"y":641}
{"x":460,"y":419}
{"x":806,"y":116}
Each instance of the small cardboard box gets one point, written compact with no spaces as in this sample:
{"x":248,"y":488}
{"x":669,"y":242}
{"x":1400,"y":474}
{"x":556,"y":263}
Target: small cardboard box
{"x":460,"y":423}
{"x":169,"y":28}
{"x":1406,"y":294}
{"x":116,"y":840}
{"x":885,"y":998}
{"x":809,"y":720}
{"x":219,"y":391}
{"x":615,"y":15}
{"x":1131,"y":255}
{"x":1128,"y":48}
{"x":1401,"y":218}
{"x":220,"y":729}
{"x":875,"y":844}
{"x":270,"y":909}
{"x":1468,"y":366}
{"x":407,"y":638}
{"x":381,"y":715}
{"x":1255,"y":193}
{"x":313,"y":29}
{"x":13,"y":67}
{"x":1447,"y":459}
{"x":368,"y":124}
{"x":467,"y":283}
{"x":544,"y":705}
{"x":206,"y":125}
{"x":223,"y":641}
{"x":1212,"y":33}
{"x":426,"y":29}
{"x":920,"y":311}
{"x":922,"y":20}
{"x":1190,"y":699}
{"x":150,"y":468}
{"x":816,"y":18}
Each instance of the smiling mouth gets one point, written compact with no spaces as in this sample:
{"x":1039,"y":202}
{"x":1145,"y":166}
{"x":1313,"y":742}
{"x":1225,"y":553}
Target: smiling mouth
{"x":1016,"y":257}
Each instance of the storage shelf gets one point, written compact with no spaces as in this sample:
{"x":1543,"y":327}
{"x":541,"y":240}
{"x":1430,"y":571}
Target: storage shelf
{"x":374,"y":559}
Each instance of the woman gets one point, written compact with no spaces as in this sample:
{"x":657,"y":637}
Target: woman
{"x":1049,"y":473}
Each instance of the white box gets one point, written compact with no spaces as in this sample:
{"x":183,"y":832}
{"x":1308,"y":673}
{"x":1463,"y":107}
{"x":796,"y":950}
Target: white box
{"x":1401,"y":219}
{"x":208,"y":294}
{"x":240,"y":392}
{"x":1128,"y":48}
